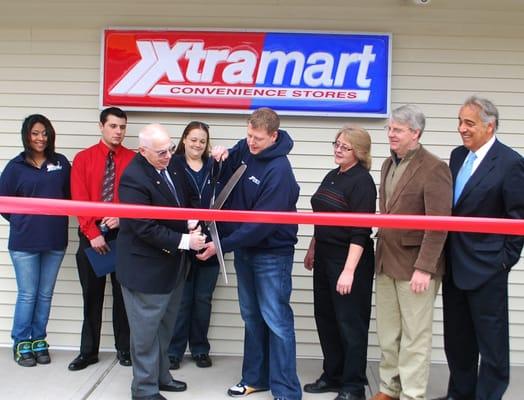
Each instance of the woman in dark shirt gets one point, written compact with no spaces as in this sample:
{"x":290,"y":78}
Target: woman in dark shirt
{"x":342,"y":260}
{"x":37,"y":243}
{"x":195,"y":309}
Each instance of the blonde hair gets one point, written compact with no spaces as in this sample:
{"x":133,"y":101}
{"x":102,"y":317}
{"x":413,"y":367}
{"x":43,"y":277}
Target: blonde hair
{"x":360,"y":141}
{"x":265,"y":118}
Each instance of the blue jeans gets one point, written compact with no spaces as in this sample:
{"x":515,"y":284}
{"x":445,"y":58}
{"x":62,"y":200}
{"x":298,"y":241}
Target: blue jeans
{"x":35,"y":277}
{"x":264,"y":290}
{"x":194,"y":312}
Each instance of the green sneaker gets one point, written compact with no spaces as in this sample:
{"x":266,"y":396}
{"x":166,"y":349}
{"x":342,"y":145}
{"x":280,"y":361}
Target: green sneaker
{"x":40,"y":351}
{"x":23,"y":354}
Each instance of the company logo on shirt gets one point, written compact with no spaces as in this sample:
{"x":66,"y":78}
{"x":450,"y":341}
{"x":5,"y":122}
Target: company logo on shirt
{"x":253,"y":179}
{"x":54,"y":167}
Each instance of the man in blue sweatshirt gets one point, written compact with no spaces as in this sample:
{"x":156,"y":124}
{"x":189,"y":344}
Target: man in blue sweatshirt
{"x":263,"y":257}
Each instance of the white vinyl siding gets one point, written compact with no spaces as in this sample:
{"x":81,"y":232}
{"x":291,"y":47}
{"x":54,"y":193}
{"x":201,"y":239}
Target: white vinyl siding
{"x":442,"y":53}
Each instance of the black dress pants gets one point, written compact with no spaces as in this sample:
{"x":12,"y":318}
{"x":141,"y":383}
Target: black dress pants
{"x":476,"y":326}
{"x":343,"y":320}
{"x":93,"y":289}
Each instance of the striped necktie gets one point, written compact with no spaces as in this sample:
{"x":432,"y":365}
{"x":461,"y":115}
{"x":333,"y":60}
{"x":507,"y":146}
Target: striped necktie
{"x":108,"y":184}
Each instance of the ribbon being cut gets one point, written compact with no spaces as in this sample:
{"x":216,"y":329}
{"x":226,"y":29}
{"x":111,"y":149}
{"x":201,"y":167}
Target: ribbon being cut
{"x":44,"y":206}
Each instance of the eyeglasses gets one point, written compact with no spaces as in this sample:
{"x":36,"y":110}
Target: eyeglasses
{"x":163,"y":153}
{"x":341,"y":146}
{"x":396,"y":131}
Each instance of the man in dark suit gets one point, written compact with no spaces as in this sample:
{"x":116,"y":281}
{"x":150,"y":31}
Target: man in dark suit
{"x":488,"y":181}
{"x":150,"y":261}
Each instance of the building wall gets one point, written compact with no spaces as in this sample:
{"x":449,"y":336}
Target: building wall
{"x":442,"y":53}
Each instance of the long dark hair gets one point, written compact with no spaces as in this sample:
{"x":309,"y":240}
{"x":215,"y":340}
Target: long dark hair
{"x":181,"y":149}
{"x":27,"y":126}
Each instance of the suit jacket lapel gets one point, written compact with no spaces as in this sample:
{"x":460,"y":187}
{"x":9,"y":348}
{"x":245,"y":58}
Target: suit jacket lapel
{"x":382,"y":189}
{"x":158,"y":182}
{"x":173,"y":175}
{"x":406,"y":177}
{"x":482,"y":171}
{"x":455,"y":165}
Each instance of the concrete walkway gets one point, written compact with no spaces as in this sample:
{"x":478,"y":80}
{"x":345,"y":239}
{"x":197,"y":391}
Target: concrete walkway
{"x":107,"y":380}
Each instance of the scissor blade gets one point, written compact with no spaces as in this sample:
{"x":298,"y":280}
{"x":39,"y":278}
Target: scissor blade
{"x":213,"y":231}
{"x":228,"y":187}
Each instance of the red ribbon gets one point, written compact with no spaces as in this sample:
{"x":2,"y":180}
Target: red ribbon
{"x":23,"y":205}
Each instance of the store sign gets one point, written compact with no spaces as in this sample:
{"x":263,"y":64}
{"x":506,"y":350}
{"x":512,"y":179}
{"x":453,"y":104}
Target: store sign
{"x":294,"y":73}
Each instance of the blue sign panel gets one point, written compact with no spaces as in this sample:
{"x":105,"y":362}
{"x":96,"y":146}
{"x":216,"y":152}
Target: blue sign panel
{"x":327,"y":74}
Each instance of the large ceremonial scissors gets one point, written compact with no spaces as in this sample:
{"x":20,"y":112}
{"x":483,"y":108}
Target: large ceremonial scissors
{"x":217,"y":205}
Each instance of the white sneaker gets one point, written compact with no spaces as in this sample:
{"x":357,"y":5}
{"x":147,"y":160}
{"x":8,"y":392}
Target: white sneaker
{"x":240,"y":390}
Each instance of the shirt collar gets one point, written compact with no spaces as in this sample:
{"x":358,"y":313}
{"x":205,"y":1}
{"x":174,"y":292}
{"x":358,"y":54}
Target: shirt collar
{"x":409,"y":155}
{"x":483,"y":150}
{"x":105,"y":148}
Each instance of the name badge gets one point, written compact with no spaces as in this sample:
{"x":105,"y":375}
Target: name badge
{"x":53,"y":167}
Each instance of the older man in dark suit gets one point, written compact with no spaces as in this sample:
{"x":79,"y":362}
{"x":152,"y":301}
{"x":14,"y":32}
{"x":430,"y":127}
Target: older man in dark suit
{"x":150,"y":262}
{"x":488,"y":182}
{"x":409,"y":263}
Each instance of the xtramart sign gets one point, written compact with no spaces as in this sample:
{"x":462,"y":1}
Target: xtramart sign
{"x":295,"y":73}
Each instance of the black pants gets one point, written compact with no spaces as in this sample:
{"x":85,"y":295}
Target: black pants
{"x":343,"y":321}
{"x":93,"y":289}
{"x":476,"y":323}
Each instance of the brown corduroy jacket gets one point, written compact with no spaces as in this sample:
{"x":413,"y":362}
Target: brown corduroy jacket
{"x":425,"y":188}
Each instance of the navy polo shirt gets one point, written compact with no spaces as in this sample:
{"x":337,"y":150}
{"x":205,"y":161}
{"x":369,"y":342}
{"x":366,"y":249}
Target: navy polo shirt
{"x":35,"y":233}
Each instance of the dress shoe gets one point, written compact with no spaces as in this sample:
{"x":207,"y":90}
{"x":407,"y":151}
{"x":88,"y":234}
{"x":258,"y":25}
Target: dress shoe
{"x":124,"y":358}
{"x":202,"y":360}
{"x":320,"y":386}
{"x":174,"y":363}
{"x":173,"y":386}
{"x":157,"y":396}
{"x":82,"y":361}
{"x":349,"y":396}
{"x":383,"y":396}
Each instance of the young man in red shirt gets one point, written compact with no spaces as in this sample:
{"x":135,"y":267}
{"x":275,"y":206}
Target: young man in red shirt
{"x":95,"y":176}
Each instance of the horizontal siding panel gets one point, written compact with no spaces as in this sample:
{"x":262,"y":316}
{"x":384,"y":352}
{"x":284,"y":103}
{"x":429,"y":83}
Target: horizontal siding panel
{"x":52,"y":74}
{"x":461,"y":83}
{"x":88,"y":116}
{"x":71,"y":88}
{"x":35,"y":48}
{"x":466,"y":42}
{"x":446,"y":56}
{"x":401,"y":96}
{"x":39,"y":101}
{"x":50,"y":61}
{"x":464,"y":70}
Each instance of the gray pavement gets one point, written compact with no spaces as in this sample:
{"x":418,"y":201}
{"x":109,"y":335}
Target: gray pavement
{"x":107,"y":380}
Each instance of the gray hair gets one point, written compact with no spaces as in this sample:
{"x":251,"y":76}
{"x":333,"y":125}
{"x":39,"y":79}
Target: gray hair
{"x":487,"y":110}
{"x":410,"y":115}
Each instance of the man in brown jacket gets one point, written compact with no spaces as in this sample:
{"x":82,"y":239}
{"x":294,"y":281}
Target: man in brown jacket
{"x":409,"y":263}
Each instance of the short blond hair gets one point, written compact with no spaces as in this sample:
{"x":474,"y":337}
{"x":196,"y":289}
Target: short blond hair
{"x":264,"y":118}
{"x":360,"y":141}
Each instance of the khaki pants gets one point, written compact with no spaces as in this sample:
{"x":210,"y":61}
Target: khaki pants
{"x":404,"y":328}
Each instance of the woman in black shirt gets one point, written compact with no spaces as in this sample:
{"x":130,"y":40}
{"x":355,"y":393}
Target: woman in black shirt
{"x":342,"y":260}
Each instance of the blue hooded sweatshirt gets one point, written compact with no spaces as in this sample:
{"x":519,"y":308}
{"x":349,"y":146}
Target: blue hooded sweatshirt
{"x":268,"y":184}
